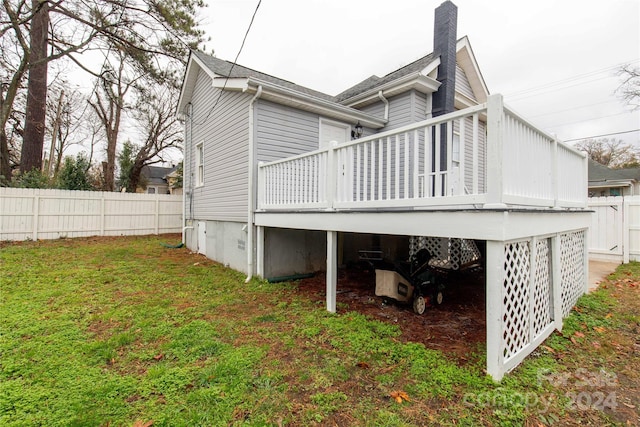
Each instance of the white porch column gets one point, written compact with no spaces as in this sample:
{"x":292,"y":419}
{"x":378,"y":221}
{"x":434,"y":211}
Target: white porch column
{"x":494,"y":302}
{"x":260,"y":251}
{"x":332,"y":269}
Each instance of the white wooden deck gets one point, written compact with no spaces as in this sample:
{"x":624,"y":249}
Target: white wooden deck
{"x":515,"y":186}
{"x":515,"y":165}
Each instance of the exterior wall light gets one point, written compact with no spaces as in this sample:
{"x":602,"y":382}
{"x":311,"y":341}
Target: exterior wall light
{"x":357,"y":131}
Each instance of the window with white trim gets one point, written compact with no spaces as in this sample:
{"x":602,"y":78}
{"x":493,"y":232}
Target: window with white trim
{"x":200,"y":164}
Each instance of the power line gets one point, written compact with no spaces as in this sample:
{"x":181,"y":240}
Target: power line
{"x":587,"y":120}
{"x":574,"y":108}
{"x":232,"y":66}
{"x":600,"y":136}
{"x":568,"y":79}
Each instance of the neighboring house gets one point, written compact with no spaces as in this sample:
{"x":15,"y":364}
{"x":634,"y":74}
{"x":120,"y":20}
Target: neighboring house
{"x":154,"y":180}
{"x":174,"y":179}
{"x":604,"y":181}
{"x":281,"y":179}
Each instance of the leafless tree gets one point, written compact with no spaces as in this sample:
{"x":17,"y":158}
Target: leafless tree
{"x":156,"y":120}
{"x":610,"y":152}
{"x":629,"y":89}
{"x":149,"y":31}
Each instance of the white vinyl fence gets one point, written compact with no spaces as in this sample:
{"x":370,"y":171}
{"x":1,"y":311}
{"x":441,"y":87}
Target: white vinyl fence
{"x":615,"y":228}
{"x":32,"y":214}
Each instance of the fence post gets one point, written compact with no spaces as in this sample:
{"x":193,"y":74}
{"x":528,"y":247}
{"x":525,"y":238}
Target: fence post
{"x":495,"y":153}
{"x":157,"y":214}
{"x":36,"y":210}
{"x":102,"y":213}
{"x":626,"y":230}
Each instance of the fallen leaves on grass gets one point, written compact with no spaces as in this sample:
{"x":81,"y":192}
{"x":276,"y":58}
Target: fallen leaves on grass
{"x":139,"y":423}
{"x":549,"y":349}
{"x":399,"y":396}
{"x":363,"y":365}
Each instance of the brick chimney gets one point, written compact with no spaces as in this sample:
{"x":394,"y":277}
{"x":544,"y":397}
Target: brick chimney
{"x":444,"y":45}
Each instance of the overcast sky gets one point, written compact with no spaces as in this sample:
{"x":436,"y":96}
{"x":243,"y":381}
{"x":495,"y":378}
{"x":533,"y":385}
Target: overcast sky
{"x":554,"y":61}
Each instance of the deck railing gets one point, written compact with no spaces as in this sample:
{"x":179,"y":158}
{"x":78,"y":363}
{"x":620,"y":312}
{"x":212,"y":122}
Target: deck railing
{"x":453,"y":160}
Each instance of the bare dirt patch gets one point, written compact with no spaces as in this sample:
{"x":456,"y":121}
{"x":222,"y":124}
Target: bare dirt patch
{"x":456,"y":327}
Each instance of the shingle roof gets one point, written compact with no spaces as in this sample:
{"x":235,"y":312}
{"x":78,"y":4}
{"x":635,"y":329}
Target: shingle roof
{"x":373,"y":81}
{"x":599,"y":172}
{"x":224,"y":68}
{"x":155,"y":174}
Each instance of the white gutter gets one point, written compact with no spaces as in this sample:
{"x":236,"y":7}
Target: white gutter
{"x":287,"y":96}
{"x":386,"y":105}
{"x":250,"y":201}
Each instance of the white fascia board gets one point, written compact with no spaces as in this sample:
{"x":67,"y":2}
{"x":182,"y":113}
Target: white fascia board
{"x":467,"y":61}
{"x":431,"y":70}
{"x":189,"y":83}
{"x":232,"y":83}
{"x":462,"y":101}
{"x":306,"y":102}
{"x":612,"y":183}
{"x":417,"y":81}
{"x":500,"y":225}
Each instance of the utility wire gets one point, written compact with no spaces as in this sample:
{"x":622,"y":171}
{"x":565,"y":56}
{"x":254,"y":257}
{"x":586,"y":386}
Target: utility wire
{"x":568,"y":79}
{"x":232,"y":66}
{"x":587,"y":120}
{"x":600,"y":136}
{"x":574,"y":108}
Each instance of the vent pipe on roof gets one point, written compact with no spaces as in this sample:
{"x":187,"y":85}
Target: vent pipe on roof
{"x":444,"y":45}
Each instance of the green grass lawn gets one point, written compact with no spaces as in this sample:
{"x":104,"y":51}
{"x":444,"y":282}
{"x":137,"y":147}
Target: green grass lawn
{"x":126,"y":332}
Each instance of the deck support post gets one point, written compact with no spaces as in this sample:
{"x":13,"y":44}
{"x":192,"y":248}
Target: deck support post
{"x":494,"y":303}
{"x":260,"y":251}
{"x":556,"y":281}
{"x":332,"y":270}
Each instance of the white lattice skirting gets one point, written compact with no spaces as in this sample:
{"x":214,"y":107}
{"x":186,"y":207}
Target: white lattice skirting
{"x":528,"y":314}
{"x":450,"y":254}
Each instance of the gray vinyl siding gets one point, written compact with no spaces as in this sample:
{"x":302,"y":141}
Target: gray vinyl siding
{"x":403,"y":110}
{"x":282,"y":131}
{"x":419,"y":106}
{"x":468,"y":154}
{"x":462,"y":84}
{"x":225,"y":134}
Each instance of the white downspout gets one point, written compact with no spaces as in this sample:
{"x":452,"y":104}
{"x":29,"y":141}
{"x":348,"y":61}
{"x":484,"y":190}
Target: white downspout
{"x":187,"y":192}
{"x":250,"y":204}
{"x":386,"y":105}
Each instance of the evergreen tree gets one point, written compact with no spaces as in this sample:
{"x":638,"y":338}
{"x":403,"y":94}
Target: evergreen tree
{"x":74,"y":174}
{"x":126,"y":160}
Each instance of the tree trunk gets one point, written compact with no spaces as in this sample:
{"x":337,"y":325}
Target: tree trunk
{"x":110,"y":165}
{"x":134,"y":176}
{"x":5,"y":165}
{"x":33,"y":141}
